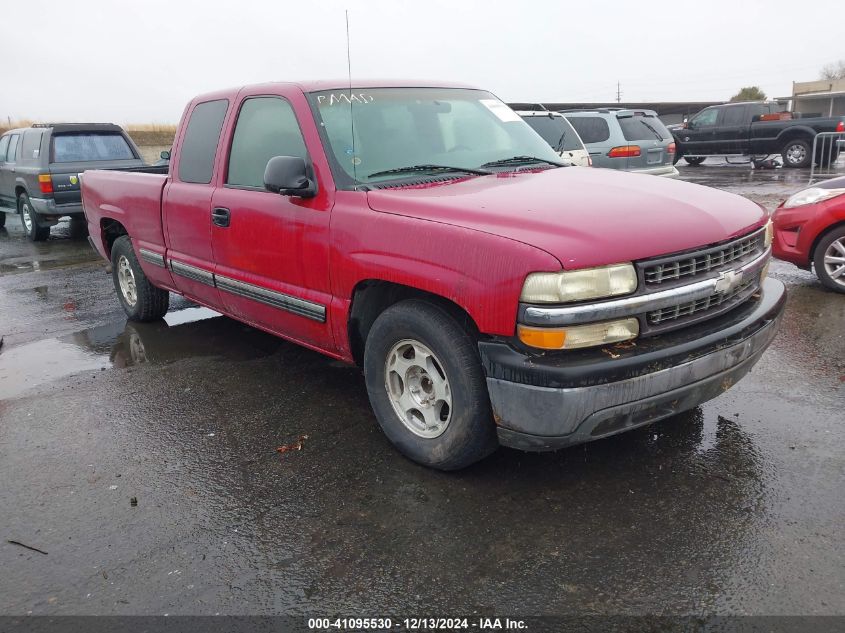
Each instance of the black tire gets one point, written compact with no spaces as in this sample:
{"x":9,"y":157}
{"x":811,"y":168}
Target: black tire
{"x":469,"y":434}
{"x":150,"y":303}
{"x":797,"y":153}
{"x":836,"y":235}
{"x":2,"y":218}
{"x":694,"y":161}
{"x":35,"y":232}
{"x":78,"y":227}
{"x":678,"y":156}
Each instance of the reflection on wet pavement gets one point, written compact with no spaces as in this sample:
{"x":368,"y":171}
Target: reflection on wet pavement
{"x":186,"y":333}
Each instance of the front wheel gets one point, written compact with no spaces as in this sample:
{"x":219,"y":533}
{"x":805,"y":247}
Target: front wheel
{"x":427,"y":387}
{"x":797,"y":153}
{"x":141,"y":300}
{"x":35,"y":232}
{"x":695,"y":161}
{"x":829,"y":260}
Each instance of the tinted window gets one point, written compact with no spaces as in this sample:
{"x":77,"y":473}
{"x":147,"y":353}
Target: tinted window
{"x":90,"y":146}
{"x":4,"y":145}
{"x":705,"y":118}
{"x":735,"y":115}
{"x":266,"y":128}
{"x":31,"y":145}
{"x":13,"y":148}
{"x":591,"y":129}
{"x":553,"y":129}
{"x":196,"y":161}
{"x":643,"y":128}
{"x":759,"y":109}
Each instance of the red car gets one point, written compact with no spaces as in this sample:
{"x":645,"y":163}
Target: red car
{"x":810,"y":230}
{"x":492,"y":294}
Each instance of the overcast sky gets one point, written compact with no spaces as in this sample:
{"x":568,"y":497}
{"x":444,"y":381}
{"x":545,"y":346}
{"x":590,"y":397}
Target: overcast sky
{"x":140,"y":62}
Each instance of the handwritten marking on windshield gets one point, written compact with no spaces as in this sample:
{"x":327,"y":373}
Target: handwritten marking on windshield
{"x":343,"y":97}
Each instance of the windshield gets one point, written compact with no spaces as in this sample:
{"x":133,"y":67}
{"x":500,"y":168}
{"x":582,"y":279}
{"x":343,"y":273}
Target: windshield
{"x":405,"y":127}
{"x":553,"y":128}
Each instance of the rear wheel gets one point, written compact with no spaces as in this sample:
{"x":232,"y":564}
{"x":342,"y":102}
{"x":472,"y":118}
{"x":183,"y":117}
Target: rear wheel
{"x":694,"y":161}
{"x":141,"y":300}
{"x":427,"y":387}
{"x":30,"y":221}
{"x":2,"y":218}
{"x":829,"y":260}
{"x":797,"y":153}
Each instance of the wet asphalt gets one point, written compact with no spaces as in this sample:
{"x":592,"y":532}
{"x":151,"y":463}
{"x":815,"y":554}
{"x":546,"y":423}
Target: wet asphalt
{"x":736,"y":507}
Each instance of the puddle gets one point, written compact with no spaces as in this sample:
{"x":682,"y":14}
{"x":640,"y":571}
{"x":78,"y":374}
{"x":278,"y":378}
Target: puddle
{"x":191,"y":332}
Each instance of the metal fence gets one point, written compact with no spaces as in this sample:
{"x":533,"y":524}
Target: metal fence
{"x":826,"y":149}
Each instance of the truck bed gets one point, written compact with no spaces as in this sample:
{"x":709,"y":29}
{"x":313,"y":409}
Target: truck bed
{"x":131,"y":197}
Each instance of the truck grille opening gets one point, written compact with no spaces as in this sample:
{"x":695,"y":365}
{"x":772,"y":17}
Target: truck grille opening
{"x":722,"y":301}
{"x":700,"y":262}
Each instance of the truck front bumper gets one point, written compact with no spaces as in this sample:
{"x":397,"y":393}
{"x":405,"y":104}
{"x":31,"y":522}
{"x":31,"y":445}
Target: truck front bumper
{"x":548,"y":402}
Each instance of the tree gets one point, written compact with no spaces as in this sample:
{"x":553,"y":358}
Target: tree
{"x":835,"y":70}
{"x":749,"y":93}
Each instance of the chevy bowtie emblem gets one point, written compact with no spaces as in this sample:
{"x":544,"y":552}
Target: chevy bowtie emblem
{"x":728,"y":281}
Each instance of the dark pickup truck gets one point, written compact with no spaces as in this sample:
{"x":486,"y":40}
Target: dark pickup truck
{"x":40,"y":167}
{"x":741,"y":129}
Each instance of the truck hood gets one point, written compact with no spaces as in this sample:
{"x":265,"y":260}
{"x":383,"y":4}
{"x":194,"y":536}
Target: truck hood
{"x":583,"y":216}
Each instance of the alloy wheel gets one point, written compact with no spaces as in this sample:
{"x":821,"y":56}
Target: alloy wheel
{"x":126,"y":279}
{"x":418,"y":388}
{"x":834,"y":261}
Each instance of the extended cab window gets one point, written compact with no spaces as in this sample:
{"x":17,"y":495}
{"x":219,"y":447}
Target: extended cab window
{"x":591,"y":129}
{"x":266,"y":127}
{"x":734,"y":115}
{"x":90,"y":146}
{"x":705,"y":118}
{"x":196,"y":160}
{"x":13,"y":148}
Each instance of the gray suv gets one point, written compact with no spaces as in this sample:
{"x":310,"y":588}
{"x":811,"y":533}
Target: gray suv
{"x":632,"y":140}
{"x":40,"y":167}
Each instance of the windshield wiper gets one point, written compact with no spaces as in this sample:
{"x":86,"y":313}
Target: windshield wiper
{"x":559,"y":146}
{"x":655,"y":132}
{"x":415,"y":168}
{"x":521,"y":160}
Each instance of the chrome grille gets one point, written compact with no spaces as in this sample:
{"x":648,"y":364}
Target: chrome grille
{"x":672,"y":313}
{"x":700,"y":262}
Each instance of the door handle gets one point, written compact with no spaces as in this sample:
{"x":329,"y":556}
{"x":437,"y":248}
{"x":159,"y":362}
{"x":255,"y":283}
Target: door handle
{"x":220,"y":217}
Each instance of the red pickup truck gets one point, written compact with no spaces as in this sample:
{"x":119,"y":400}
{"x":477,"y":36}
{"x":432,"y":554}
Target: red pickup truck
{"x":424,"y":231}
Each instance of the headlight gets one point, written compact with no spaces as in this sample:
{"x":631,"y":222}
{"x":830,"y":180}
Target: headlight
{"x":811,"y":196}
{"x":578,"y":285}
{"x":770,"y":233}
{"x":578,"y":336}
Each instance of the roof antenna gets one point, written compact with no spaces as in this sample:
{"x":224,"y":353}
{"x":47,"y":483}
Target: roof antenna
{"x":355,"y":159}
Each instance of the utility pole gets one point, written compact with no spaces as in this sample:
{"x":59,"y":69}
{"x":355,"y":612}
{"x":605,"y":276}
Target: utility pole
{"x":618,"y":92}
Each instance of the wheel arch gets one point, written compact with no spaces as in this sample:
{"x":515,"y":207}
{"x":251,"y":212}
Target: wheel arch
{"x":110,"y":230}
{"x":821,"y":236}
{"x":796,"y":132}
{"x":371,"y":297}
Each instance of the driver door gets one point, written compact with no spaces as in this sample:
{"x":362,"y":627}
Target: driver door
{"x":699,"y":137}
{"x":271,"y":251}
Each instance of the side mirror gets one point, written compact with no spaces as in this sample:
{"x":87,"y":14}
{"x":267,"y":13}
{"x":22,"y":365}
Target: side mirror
{"x":288,"y":176}
{"x":165,"y":155}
